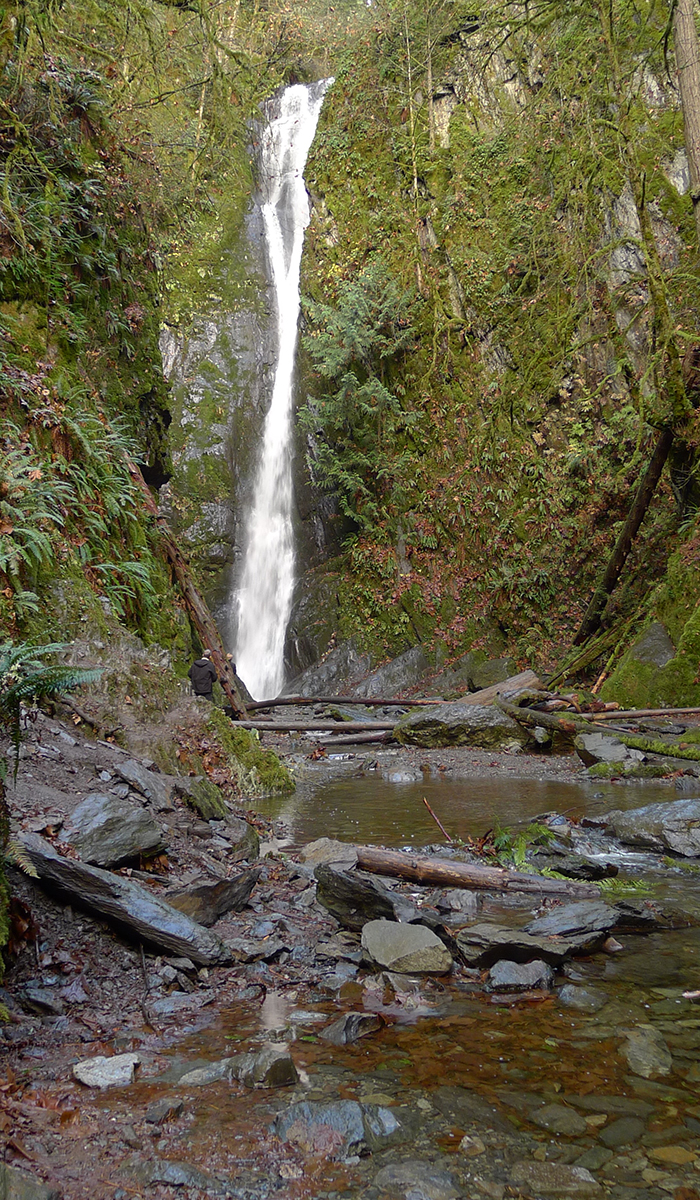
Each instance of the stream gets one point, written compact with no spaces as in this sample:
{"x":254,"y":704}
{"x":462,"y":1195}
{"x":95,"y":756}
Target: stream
{"x":487,"y":1096}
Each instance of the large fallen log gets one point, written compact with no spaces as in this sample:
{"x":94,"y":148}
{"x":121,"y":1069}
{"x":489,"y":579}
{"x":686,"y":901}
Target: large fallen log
{"x":317,"y":726}
{"x":572,"y":724}
{"x":371,"y":702}
{"x":125,"y":904}
{"x":631,"y":714}
{"x":489,"y":695}
{"x":449,"y":873}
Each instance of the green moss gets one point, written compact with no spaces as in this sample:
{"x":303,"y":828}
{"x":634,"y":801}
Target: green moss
{"x":262,"y":771}
{"x":205,"y":797}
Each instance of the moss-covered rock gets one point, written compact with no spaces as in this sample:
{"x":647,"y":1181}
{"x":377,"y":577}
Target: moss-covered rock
{"x":258,"y":772}
{"x":205,"y":798}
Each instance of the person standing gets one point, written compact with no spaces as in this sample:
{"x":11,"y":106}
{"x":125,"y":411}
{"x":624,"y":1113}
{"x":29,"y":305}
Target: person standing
{"x":203,"y":676}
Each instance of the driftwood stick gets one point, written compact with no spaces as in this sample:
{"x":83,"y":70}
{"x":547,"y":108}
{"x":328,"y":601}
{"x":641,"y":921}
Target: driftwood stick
{"x":437,"y":821}
{"x":444,"y":873}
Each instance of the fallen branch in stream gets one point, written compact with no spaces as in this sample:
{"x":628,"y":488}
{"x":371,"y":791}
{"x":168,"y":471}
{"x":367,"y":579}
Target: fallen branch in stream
{"x":632,"y":713}
{"x":572,"y":723}
{"x":357,"y":739}
{"x":421,"y":869}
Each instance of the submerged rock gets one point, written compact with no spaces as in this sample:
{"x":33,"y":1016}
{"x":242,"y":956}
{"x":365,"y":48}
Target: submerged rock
{"x":101,"y":1072}
{"x":107,"y":831}
{"x":581,"y":998}
{"x":459,"y":725}
{"x":417,"y":1180}
{"x":506,"y":976}
{"x":271,"y":1067}
{"x":351,"y":1027}
{"x":406,"y":949}
{"x":673,"y":826}
{"x":338,"y":1128}
{"x":622,"y":1132}
{"x":557,"y":1118}
{"x":484,"y":944}
{"x":646,"y":1052}
{"x":555,"y":1179}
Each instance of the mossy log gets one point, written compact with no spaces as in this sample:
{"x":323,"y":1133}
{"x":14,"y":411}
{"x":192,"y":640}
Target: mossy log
{"x":575,"y":724}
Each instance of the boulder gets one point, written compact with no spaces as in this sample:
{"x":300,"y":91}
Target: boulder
{"x":484,"y":944}
{"x":126,"y":904}
{"x":417,"y":1180}
{"x":405,"y":949}
{"x":203,"y":796}
{"x":18,"y":1185}
{"x":329,"y":851}
{"x":595,"y":748}
{"x":338,"y":1128}
{"x":654,"y":647}
{"x":646,"y":1052}
{"x":506,"y":976}
{"x":207,"y":902}
{"x":107,"y":831}
{"x":157,"y":788}
{"x":334,"y":676}
{"x":270,"y":1067}
{"x":492,"y":670}
{"x":101,"y":1072}
{"x":587,"y":916}
{"x":671,"y":826}
{"x":351,"y":1027}
{"x":355,"y":898}
{"x":459,"y":725}
{"x":397,"y":676}
{"x":555,"y":1179}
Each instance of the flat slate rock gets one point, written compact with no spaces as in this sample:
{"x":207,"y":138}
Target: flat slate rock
{"x":625,"y":1106}
{"x":355,"y":898}
{"x":506,"y":976}
{"x":582,"y":998}
{"x":484,"y":944}
{"x":646,"y":1051}
{"x":178,"y":1174}
{"x":565,"y":920}
{"x":155,"y":787}
{"x":463,"y":1107}
{"x":126,"y":904}
{"x":19,"y":1185}
{"x":107,"y":831}
{"x":207,"y":902}
{"x":100,"y":1072}
{"x":329,"y":851}
{"x":672,"y":826}
{"x":270,"y":1067}
{"x":459,"y":725}
{"x":351,"y":1027}
{"x":337,"y":1128}
{"x":596,"y":747}
{"x":558,"y":1118}
{"x":406,"y":949}
{"x":622,"y":1132}
{"x":417,"y":1180}
{"x":555,"y":1179}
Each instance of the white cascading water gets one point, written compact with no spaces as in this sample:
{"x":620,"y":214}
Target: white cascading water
{"x":264,"y":599}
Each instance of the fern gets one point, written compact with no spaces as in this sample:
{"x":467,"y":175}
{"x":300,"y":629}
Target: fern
{"x":16,"y":856}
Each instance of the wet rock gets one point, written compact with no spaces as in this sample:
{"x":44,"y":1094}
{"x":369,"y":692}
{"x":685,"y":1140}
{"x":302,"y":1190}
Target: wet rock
{"x":555,"y":1179}
{"x":557,"y":1118}
{"x":417,"y":1180}
{"x":203,"y":796}
{"x":646,"y":1052}
{"x":244,"y":841}
{"x":101,"y":1072}
{"x":331,"y":852}
{"x":677,"y":1156}
{"x":126,"y":904}
{"x":207,"y":902}
{"x":351,"y":1027}
{"x":339,"y":670}
{"x":594,"y":1159}
{"x":354,"y":898}
{"x":484,"y":944}
{"x":157,"y":788}
{"x":107,"y":831}
{"x":622,"y":1105}
{"x":395,"y":677}
{"x":573,"y":866}
{"x":623,"y":1132}
{"x":40,"y":1000}
{"x":506,"y":976}
{"x":271,"y":1067}
{"x":163,"y":1110}
{"x":406,"y":949}
{"x":177,"y":1002}
{"x":459,"y":725}
{"x":457,"y":901}
{"x":673,"y":826}
{"x":19,"y":1185}
{"x":463,"y":1108}
{"x":338,"y":1128}
{"x":595,"y":748}
{"x":178,"y":1174}
{"x":588,"y":916}
{"x":584,"y":999}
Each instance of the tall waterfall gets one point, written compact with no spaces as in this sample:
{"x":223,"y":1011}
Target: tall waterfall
{"x":264,"y":599}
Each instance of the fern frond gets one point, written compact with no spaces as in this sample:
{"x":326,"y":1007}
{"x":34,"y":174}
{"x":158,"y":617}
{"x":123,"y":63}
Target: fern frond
{"x":16,"y":856}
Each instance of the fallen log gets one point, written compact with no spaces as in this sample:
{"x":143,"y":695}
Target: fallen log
{"x":125,"y":904}
{"x":632,"y":713}
{"x":357,"y":739}
{"x":317,"y":726}
{"x":572,"y":724}
{"x":448,"y":873}
{"x":489,"y":695}
{"x":372,"y":702}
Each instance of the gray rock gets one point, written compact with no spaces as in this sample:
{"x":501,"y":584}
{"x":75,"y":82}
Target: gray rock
{"x":407,"y":949}
{"x":646,"y":1052}
{"x":339,"y":670}
{"x":673,"y":826}
{"x":417,"y":1180}
{"x":270,"y":1067}
{"x":351,"y":1027}
{"x":595,"y":748}
{"x":354,"y":898}
{"x":458,"y":901}
{"x":506,"y":976}
{"x":459,"y":725}
{"x":107,"y":831}
{"x":622,"y":1132}
{"x":126,"y":904}
{"x":245,"y":843}
{"x":331,"y":852}
{"x":163,"y":1110}
{"x":101,"y":1072}
{"x":622,"y":1105}
{"x":581,"y":998}
{"x":555,"y":1179}
{"x":594,"y":1159}
{"x":40,"y":1000}
{"x":654,"y":647}
{"x":484,"y":944}
{"x":493,"y":670}
{"x":202,"y":795}
{"x":207,"y":902}
{"x":178,"y":1174}
{"x":557,"y":1118}
{"x":168,"y":1006}
{"x":463,"y":1108}
{"x":588,"y":916}
{"x":18,"y":1185}
{"x":338,"y":1128}
{"x":155,"y":787}
{"x":396,"y":676}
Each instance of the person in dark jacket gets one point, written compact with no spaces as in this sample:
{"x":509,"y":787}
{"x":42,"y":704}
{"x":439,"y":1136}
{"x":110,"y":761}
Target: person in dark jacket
{"x":203,"y":675}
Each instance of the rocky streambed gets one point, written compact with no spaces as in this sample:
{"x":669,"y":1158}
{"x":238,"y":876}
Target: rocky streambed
{"x":343,"y":1033}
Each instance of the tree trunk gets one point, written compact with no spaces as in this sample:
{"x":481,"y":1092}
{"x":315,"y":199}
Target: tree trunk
{"x":444,"y":873}
{"x":688,"y":65}
{"x":618,"y":558}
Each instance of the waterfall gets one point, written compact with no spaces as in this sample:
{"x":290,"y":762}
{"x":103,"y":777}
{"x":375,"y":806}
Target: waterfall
{"x":264,"y":600}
